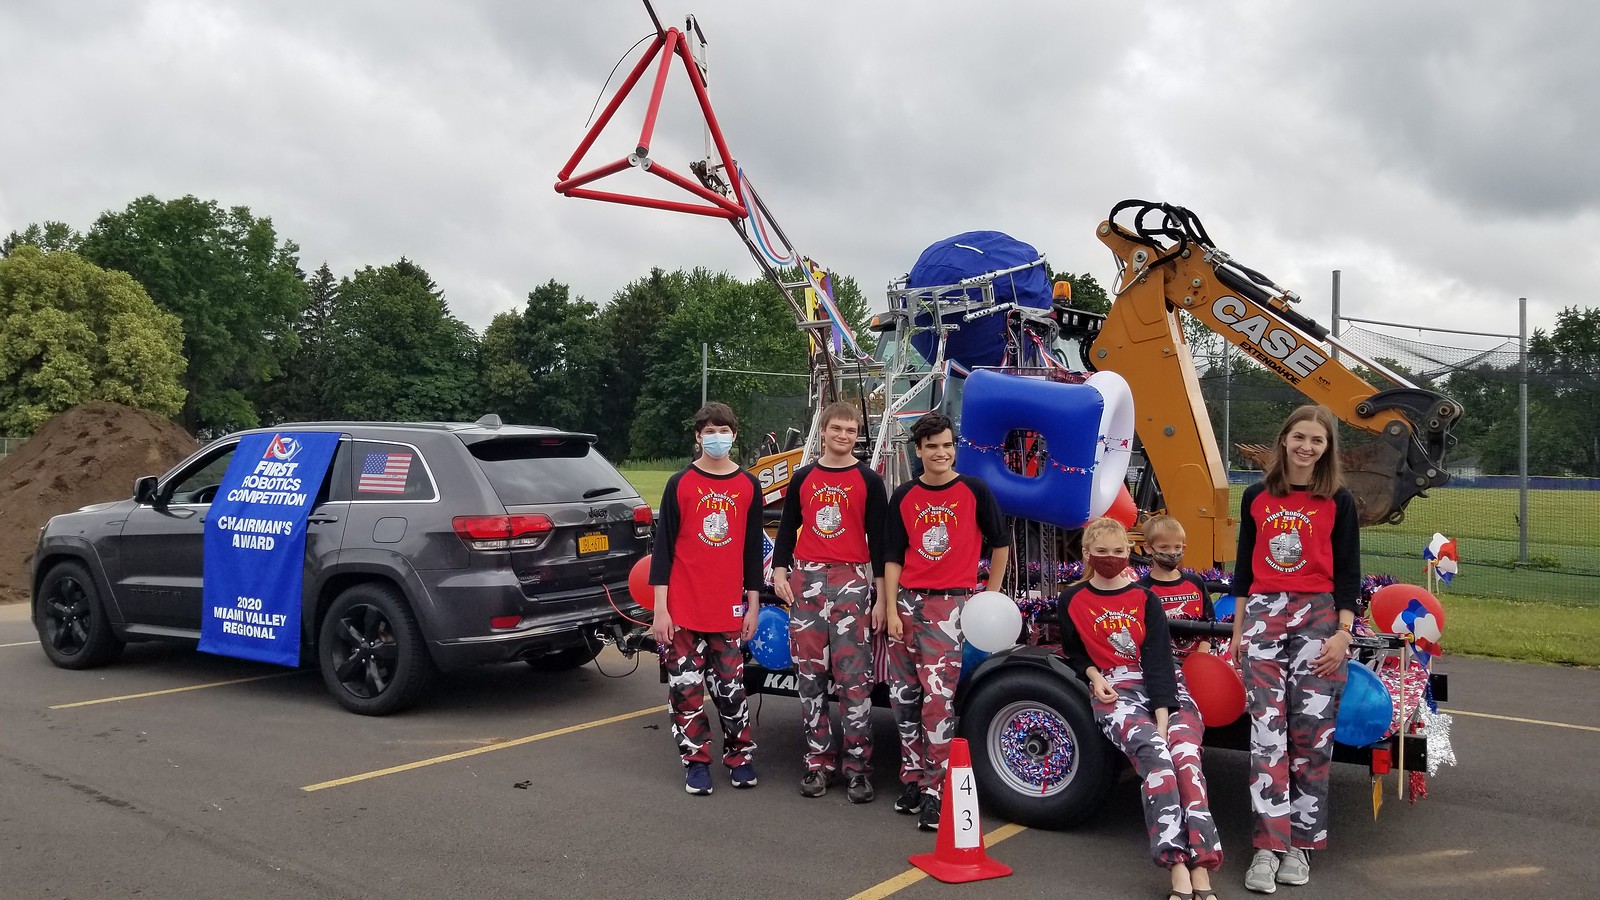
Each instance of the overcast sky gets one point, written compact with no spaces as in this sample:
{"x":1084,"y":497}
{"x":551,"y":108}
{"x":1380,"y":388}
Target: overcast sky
{"x":1440,"y":153}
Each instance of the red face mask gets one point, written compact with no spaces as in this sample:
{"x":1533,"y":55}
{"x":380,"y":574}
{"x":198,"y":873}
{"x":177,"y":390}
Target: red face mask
{"x":1107,"y":566}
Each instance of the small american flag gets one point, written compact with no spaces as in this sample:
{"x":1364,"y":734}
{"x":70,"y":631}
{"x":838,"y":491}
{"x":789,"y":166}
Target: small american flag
{"x":384,"y":473}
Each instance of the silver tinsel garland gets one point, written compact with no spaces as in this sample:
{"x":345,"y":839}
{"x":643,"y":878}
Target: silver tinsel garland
{"x":1441,"y":752}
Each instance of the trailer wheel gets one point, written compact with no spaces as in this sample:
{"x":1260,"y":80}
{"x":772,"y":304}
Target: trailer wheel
{"x":1038,"y":754}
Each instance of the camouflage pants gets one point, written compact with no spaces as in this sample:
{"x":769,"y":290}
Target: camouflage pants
{"x":830,"y":636}
{"x":696,"y":660}
{"x":924,"y":666}
{"x":1176,"y":811}
{"x":1291,"y":717}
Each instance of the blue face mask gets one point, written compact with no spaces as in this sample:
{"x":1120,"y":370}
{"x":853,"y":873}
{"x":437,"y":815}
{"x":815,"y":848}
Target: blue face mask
{"x":717,"y":446}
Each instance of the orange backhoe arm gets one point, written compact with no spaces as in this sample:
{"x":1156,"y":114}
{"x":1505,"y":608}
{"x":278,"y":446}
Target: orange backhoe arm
{"x":1169,"y":264}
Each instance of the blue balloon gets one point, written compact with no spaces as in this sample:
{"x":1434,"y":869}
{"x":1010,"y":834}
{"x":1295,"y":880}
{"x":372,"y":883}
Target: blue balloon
{"x":1366,"y":711}
{"x":770,"y":645}
{"x":1224,"y":607}
{"x":971,"y":658}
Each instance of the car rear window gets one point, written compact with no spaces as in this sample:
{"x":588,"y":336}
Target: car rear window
{"x":526,"y":470}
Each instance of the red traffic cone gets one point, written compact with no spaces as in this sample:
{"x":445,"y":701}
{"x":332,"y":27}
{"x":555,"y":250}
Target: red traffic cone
{"x":958,"y":854}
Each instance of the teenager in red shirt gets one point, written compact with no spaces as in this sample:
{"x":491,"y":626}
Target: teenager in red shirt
{"x":706,"y":569}
{"x":1114,"y":635}
{"x":935,"y":532}
{"x":1298,"y":578}
{"x":831,"y":535}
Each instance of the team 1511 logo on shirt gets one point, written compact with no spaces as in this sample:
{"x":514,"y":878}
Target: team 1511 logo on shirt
{"x":935,"y":522}
{"x":715,"y":508}
{"x":1285,"y":550}
{"x":831,"y":500}
{"x":1116,"y":625}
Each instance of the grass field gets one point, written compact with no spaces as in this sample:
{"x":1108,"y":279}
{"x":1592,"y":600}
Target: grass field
{"x":649,"y":478}
{"x":1521,"y":630}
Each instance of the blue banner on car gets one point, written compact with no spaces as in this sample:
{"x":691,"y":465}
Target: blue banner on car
{"x":255,"y":546}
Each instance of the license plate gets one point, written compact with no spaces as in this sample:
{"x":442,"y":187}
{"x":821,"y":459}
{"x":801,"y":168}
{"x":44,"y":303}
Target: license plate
{"x":599,"y":542}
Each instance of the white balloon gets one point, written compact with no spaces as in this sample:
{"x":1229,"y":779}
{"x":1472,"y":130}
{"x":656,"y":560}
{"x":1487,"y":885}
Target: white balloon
{"x":991,"y":622}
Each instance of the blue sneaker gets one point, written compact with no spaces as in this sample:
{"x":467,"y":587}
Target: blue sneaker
{"x":744,"y":776}
{"x":697,"y":779}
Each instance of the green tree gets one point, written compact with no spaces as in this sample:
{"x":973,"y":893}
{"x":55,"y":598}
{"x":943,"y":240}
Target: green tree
{"x":547,"y":364}
{"x":400,"y":354}
{"x":72,"y":332}
{"x":49,"y":237}
{"x":300,"y":393}
{"x":225,"y":274}
{"x":1087,"y":294}
{"x":1564,"y":393}
{"x":632,"y":327}
{"x":747,"y":327}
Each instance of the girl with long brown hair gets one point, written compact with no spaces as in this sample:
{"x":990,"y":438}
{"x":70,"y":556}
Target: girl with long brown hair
{"x":1298,"y":580}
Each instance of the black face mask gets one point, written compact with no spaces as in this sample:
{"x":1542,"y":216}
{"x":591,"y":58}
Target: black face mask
{"x":1107,"y":566}
{"x":1167,"y":560}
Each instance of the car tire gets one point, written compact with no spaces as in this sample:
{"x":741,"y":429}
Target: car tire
{"x":71,"y":620}
{"x":371,"y":652}
{"x":1039,"y":756}
{"x":564,"y":660}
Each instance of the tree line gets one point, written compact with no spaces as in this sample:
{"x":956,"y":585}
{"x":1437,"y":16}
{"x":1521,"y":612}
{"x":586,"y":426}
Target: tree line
{"x":202,"y":313}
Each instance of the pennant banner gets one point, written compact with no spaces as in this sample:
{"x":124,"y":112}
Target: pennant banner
{"x":255,"y":546}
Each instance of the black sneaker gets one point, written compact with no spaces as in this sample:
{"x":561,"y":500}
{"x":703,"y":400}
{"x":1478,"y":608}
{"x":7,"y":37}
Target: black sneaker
{"x":910,"y":800}
{"x":928,"y":816}
{"x":859,"y":789}
{"x":814,"y":784}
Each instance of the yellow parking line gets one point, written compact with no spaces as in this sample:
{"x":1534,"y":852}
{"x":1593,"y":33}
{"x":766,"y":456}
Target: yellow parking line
{"x":912,"y":876}
{"x":179,"y":690}
{"x":1479,"y":715}
{"x":504,"y":745}
{"x":21,"y":644}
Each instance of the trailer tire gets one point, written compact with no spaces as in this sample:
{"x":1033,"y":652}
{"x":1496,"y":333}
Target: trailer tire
{"x":1039,"y":756}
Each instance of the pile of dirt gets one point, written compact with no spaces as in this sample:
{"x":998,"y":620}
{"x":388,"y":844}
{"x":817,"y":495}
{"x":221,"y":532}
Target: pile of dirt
{"x":88,"y":454}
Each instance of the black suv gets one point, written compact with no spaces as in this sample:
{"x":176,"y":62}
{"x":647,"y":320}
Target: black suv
{"x":507,"y":542}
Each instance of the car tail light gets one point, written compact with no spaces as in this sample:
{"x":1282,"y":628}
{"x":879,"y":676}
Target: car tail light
{"x":643,"y":520}
{"x":503,"y":532}
{"x":505,"y":621}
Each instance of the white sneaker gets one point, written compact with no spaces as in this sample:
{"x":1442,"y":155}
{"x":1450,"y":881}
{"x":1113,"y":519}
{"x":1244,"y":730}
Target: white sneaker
{"x":1261,"y":876}
{"x":1295,"y":867}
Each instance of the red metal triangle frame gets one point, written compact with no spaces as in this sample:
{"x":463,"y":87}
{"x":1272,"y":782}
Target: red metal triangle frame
{"x":667,"y":44}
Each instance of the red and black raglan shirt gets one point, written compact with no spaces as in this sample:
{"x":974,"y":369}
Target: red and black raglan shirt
{"x":1299,"y":544}
{"x":708,"y":548}
{"x":1122,"y":627}
{"x":832,"y":516}
{"x":937,"y":533}
{"x":1185,"y":597}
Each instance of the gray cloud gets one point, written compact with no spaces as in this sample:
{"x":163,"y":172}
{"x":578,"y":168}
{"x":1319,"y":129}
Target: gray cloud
{"x":1437,"y":153}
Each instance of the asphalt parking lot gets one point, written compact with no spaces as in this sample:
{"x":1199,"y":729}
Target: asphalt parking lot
{"x":177,"y":774}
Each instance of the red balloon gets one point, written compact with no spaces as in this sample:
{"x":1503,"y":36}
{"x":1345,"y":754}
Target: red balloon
{"x":1389,"y":601}
{"x":1216,"y":687}
{"x":639,"y":583}
{"x":1123,"y":509}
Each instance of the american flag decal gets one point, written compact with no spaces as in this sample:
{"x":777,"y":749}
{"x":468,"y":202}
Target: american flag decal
{"x":384,"y":473}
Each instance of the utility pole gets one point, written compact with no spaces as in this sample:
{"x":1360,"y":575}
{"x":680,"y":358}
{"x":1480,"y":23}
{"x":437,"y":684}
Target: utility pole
{"x":1336,"y":322}
{"x":1522,"y":448}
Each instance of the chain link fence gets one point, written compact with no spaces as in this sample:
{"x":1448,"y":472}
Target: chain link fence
{"x":1537,"y":542}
